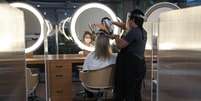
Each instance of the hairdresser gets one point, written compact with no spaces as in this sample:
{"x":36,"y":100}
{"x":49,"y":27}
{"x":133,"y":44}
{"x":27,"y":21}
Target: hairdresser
{"x":130,"y":65}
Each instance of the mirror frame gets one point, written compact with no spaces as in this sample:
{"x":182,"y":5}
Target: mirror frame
{"x":81,"y":10}
{"x":158,"y":6}
{"x":63,"y":23}
{"x":49,"y":27}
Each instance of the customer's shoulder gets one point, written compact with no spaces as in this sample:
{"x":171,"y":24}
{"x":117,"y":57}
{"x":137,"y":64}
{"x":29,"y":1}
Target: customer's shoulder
{"x":90,"y":55}
{"x":114,"y":55}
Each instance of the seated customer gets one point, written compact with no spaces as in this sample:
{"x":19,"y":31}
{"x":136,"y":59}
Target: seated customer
{"x":102,"y":56}
{"x":88,"y":41}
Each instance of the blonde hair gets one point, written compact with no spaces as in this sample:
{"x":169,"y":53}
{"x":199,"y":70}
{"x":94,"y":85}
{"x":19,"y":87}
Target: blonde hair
{"x":102,"y":47}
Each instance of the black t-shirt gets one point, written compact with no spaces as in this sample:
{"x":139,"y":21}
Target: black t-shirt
{"x":136,"y":39}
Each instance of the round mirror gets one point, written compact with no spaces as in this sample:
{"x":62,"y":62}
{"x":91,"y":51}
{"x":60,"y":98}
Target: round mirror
{"x":152,"y":17}
{"x":34,"y":26}
{"x":153,"y":13}
{"x":89,"y":14}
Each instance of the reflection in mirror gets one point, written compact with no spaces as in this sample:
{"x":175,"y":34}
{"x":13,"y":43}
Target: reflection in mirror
{"x":89,"y":16}
{"x":34,"y":35}
{"x":152,"y":17}
{"x":91,"y":13}
{"x":64,"y":27}
{"x":32,"y":28}
{"x":49,"y":27}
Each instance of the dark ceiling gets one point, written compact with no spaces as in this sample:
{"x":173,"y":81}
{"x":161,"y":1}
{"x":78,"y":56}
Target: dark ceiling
{"x":67,"y":0}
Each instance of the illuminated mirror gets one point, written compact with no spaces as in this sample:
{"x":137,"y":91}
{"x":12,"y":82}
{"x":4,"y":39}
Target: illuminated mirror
{"x":35,"y":30}
{"x":34,"y":26}
{"x":152,"y":19}
{"x":89,"y":14}
{"x":153,"y":13}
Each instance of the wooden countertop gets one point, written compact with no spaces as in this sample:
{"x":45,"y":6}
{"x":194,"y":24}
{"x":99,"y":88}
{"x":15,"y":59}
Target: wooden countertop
{"x":40,"y":59}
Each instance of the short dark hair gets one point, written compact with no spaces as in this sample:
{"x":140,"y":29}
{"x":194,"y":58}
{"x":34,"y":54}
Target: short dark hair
{"x":137,"y":15}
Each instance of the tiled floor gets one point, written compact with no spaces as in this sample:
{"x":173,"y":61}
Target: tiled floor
{"x":76,"y":97}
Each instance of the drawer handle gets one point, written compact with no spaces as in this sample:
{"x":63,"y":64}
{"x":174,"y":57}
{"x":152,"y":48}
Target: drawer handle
{"x":59,"y":75}
{"x":59,"y":66}
{"x":59,"y":91}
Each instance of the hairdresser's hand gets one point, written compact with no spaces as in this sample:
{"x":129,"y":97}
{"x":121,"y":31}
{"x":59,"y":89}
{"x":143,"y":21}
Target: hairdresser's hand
{"x":122,"y":25}
{"x":115,"y":37}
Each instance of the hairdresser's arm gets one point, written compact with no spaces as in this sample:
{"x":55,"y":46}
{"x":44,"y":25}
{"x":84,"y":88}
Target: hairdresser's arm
{"x":120,"y":24}
{"x":121,"y":43}
{"x":101,"y":26}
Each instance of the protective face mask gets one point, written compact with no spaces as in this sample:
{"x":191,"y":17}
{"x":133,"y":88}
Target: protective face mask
{"x":87,"y":40}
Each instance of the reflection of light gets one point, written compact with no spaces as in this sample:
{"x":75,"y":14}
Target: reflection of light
{"x":148,"y":46}
{"x":82,"y":9}
{"x":41,"y":20}
{"x":67,"y":20}
{"x":167,"y":46}
{"x":49,"y":27}
{"x":152,"y":14}
{"x":6,"y":42}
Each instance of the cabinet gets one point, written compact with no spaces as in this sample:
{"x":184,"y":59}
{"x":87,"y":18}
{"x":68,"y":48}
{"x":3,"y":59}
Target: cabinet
{"x":60,"y":80}
{"x":59,"y":71}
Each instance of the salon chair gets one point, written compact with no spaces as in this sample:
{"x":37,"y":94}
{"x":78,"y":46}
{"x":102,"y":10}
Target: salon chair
{"x":32,"y":82}
{"x":98,"y":81}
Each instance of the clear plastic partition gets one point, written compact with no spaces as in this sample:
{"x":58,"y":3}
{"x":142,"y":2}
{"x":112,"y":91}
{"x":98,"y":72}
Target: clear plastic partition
{"x":180,"y":55}
{"x":12,"y":60}
{"x":35,"y":65}
{"x":150,"y":84}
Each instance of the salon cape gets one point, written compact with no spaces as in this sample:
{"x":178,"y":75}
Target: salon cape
{"x":92,"y":63}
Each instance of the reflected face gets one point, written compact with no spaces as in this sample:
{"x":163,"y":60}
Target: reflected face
{"x":87,"y":39}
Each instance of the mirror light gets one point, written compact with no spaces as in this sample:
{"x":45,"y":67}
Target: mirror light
{"x":67,"y":20}
{"x":11,"y":40}
{"x":49,"y":27}
{"x":153,"y":13}
{"x":41,"y":20}
{"x":82,"y":9}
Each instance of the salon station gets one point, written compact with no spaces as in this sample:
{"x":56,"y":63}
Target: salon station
{"x":44,"y":45}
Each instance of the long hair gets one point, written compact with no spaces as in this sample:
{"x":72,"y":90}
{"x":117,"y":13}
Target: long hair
{"x":102,"y":47}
